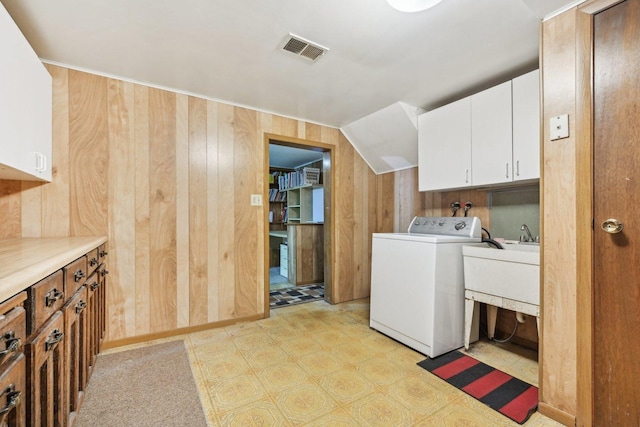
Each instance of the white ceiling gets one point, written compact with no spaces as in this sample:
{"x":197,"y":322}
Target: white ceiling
{"x":231,"y":50}
{"x":282,"y":156}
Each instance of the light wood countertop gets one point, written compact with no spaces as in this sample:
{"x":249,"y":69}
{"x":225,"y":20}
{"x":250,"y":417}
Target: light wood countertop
{"x":24,"y":262}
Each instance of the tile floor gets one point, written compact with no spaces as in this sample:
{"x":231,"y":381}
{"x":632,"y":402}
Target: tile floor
{"x":318,"y":364}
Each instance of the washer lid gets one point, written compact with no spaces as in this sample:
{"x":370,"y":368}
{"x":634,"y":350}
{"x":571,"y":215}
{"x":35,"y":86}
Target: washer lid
{"x":426,"y":238}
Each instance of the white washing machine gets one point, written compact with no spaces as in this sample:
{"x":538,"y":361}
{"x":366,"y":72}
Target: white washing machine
{"x":417,"y":283}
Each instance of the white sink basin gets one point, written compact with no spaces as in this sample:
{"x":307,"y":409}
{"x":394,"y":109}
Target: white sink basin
{"x":513,"y":273}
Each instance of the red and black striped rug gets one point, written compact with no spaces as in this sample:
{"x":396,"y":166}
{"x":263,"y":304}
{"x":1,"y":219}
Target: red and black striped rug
{"x":508,"y":395}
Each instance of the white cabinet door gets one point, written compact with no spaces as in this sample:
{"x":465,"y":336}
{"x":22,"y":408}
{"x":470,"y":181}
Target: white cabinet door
{"x":444,"y":147}
{"x":491,"y":135}
{"x":25,"y":107}
{"x":526,"y":126}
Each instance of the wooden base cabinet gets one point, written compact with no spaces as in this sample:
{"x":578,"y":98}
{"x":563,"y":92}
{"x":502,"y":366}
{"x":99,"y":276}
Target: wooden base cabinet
{"x":51,"y":330}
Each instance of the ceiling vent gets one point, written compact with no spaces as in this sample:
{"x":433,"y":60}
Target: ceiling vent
{"x":301,"y":47}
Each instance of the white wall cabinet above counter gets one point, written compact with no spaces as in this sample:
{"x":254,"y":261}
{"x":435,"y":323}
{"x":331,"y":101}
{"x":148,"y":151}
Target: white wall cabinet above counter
{"x":25,"y":108}
{"x":487,"y":139}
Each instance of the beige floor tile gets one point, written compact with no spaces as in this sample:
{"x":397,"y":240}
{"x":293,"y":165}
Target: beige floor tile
{"x":305,"y":403}
{"x":418,"y":395}
{"x":260,"y":413}
{"x":346,"y":386}
{"x":337,"y":418}
{"x":378,"y":409}
{"x":320,"y":363}
{"x":252,"y":340}
{"x":301,"y":347}
{"x":280,"y":377}
{"x":265,"y":356}
{"x":381,"y":371}
{"x":231,"y":393}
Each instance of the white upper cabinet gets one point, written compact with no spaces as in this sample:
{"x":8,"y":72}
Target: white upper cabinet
{"x":491,"y":151}
{"x":25,"y":108}
{"x":526,"y":126}
{"x":444,"y":147}
{"x":487,"y":139}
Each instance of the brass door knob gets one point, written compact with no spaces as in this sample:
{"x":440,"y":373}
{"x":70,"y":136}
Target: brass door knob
{"x":612,"y":226}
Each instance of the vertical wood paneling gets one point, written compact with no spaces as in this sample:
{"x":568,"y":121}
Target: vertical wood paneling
{"x":226,"y":193}
{"x":558,"y":256}
{"x":198,"y":242}
{"x":344,"y":282}
{"x":31,"y":193}
{"x":55,"y":195}
{"x":162,"y":209}
{"x":213,"y":200}
{"x":11,"y":209}
{"x":122,"y":226}
{"x":88,"y":145}
{"x":385,"y":189}
{"x":246,"y":166}
{"x":132,"y":155}
{"x":141,"y":184}
{"x":182,"y":210}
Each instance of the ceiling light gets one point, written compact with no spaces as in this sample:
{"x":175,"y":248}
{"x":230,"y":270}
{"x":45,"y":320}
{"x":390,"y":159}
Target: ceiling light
{"x":412,"y":5}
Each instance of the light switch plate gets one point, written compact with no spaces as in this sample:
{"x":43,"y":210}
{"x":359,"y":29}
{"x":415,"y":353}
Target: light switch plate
{"x":559,"y":127}
{"x":256,"y":200}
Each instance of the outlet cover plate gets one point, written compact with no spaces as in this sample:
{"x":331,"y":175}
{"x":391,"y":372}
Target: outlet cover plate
{"x":256,"y":200}
{"x":559,"y":127}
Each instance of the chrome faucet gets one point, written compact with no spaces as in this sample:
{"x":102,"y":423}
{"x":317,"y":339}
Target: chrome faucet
{"x":526,"y":230}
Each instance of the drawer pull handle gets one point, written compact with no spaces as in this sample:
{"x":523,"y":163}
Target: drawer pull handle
{"x":104,"y":272}
{"x":93,"y":261}
{"x":80,"y":306}
{"x":54,"y":338}
{"x":94,"y":286}
{"x":13,"y":399}
{"x":103,"y":254}
{"x":12,"y":344}
{"x":52,"y":296}
{"x":78,"y":275}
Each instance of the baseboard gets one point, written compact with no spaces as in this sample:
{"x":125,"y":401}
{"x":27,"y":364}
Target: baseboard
{"x":180,"y":331}
{"x":556,"y":414}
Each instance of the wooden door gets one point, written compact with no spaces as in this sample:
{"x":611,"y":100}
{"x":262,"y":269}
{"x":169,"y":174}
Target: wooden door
{"x":616,"y":192}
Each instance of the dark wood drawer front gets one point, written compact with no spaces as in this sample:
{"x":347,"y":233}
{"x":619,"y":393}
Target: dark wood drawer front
{"x":103,"y":251}
{"x":75,"y":274}
{"x":45,"y":298}
{"x":93,"y":261}
{"x":13,"y":387}
{"x":13,"y":333}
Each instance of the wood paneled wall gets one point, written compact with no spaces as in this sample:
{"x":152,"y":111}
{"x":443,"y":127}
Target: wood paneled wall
{"x":168,"y":178}
{"x":558,"y":217}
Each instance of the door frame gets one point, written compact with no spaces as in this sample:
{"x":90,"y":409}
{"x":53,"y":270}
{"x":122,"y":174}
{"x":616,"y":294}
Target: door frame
{"x":585,"y":327}
{"x":329,"y":203}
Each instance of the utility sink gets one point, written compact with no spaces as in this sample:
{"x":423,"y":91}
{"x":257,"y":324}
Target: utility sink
{"x":512,"y":273}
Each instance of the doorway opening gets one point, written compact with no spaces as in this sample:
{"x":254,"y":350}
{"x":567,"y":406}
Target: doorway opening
{"x":298,"y":222}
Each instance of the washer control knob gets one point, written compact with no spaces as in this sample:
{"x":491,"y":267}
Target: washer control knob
{"x":441,"y":223}
{"x":460,"y":225}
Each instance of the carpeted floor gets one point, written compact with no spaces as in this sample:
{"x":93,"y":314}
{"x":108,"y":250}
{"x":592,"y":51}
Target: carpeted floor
{"x":148,"y":386}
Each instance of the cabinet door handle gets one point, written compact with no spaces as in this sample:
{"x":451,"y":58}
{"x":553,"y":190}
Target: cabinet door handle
{"x":517,"y":167}
{"x":93,"y":261}
{"x":54,"y":338}
{"x":81,"y":305}
{"x":13,"y":399}
{"x":78,"y":275}
{"x":466,"y":176}
{"x":94,"y":286}
{"x":52,"y":296}
{"x":506,"y":170}
{"x":103,"y":254}
{"x":12,"y":344}
{"x":104,"y":272}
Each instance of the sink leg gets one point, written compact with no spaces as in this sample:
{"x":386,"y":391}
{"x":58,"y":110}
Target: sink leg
{"x":492,"y":315}
{"x":469,"y":306}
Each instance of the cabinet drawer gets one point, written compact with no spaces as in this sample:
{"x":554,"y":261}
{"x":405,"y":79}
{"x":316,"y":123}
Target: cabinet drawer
{"x":92,"y":261}
{"x":103,"y":251}
{"x":44,"y":298}
{"x":13,"y":332}
{"x":13,"y":386}
{"x":75,"y":275}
